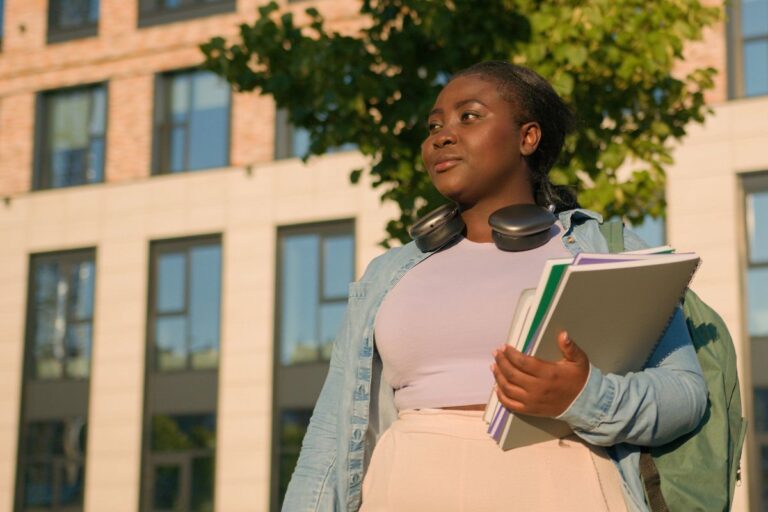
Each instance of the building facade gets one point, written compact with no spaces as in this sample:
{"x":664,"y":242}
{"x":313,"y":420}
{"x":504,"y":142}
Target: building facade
{"x":172,"y":276}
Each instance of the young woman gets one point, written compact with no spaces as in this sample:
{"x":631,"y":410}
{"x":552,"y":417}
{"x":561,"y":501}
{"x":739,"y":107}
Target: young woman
{"x":398,"y":425}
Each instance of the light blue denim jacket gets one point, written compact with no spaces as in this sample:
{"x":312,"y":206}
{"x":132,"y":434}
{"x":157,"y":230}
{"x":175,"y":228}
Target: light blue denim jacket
{"x":647,"y":408}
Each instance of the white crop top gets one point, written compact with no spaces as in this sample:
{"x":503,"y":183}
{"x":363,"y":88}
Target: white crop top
{"x":437,"y":328}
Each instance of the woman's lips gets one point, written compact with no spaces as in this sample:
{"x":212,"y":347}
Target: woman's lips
{"x":444,"y":165}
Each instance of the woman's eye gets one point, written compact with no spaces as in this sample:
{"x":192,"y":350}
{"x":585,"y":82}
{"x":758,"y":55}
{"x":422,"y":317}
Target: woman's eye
{"x":432,"y":127}
{"x":469,"y":116}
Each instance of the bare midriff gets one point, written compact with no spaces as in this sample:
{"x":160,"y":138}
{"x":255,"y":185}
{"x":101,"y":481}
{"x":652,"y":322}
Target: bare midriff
{"x":471,"y":407}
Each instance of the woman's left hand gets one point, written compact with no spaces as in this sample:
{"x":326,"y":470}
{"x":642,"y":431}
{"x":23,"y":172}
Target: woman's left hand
{"x":530,"y":385}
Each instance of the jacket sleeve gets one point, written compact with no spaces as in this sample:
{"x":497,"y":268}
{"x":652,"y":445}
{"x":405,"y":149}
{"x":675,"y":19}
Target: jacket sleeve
{"x":650,"y":407}
{"x":313,"y":483}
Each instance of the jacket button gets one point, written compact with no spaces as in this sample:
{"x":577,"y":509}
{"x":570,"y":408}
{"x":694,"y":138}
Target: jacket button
{"x":571,"y":239}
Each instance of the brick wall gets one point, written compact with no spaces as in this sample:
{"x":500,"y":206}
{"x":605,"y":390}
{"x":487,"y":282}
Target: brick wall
{"x":128,"y":58}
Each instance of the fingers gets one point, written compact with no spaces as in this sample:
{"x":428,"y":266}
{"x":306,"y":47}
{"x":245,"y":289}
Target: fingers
{"x":509,"y":357}
{"x":510,"y":394}
{"x":569,"y":349}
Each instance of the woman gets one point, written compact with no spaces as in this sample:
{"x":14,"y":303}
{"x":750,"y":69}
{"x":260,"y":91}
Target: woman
{"x":398,"y":424}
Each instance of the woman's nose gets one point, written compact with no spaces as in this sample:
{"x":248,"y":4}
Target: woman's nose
{"x":444,"y":138}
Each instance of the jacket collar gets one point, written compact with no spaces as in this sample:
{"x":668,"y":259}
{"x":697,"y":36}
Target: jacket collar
{"x":570,"y":217}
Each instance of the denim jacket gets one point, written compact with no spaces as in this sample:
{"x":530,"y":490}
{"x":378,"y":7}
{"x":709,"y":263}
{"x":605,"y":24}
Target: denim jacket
{"x":647,"y":408}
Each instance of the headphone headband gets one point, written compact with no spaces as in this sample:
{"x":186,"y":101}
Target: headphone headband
{"x":518,"y":227}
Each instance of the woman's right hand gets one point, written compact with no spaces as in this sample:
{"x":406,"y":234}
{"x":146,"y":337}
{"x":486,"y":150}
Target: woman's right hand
{"x":529,"y":385}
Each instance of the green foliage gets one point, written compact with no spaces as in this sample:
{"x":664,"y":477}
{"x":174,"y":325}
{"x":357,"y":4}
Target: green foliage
{"x":611,"y":60}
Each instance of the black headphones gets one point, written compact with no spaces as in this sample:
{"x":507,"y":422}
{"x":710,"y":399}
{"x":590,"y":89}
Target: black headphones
{"x":519,"y":227}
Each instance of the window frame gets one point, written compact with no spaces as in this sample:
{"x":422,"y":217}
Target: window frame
{"x":162,"y":125}
{"x":41,"y":179}
{"x":297,"y":386}
{"x":50,"y":400}
{"x":734,"y":52}
{"x":752,"y":182}
{"x":165,"y":391}
{"x":149,"y":17}
{"x":56,"y":34}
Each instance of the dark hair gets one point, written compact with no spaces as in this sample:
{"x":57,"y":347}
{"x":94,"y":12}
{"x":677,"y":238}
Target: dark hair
{"x":536,"y":100}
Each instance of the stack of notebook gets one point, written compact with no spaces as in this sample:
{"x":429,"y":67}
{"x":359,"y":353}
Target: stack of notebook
{"x":615,"y":307}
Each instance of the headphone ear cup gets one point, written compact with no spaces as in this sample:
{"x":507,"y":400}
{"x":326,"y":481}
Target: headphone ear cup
{"x":437,"y":228}
{"x":521,"y":227}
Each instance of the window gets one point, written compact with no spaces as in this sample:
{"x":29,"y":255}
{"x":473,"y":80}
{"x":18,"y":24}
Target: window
{"x":183,"y":353}
{"x":2,"y":20}
{"x":749,"y":48}
{"x":290,"y":141}
{"x":756,"y":305}
{"x":293,"y":425}
{"x":57,"y":355}
{"x":71,"y":19}
{"x":652,"y":231}
{"x":71,"y":137}
{"x":293,"y":142}
{"x":154,"y":12}
{"x":315,"y":265}
{"x":191,"y":122}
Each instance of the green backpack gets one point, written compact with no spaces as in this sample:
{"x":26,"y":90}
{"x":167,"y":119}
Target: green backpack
{"x":699,"y":470}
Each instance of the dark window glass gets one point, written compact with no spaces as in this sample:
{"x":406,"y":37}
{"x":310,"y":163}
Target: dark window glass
{"x":754,"y":18}
{"x":761,"y":410}
{"x":62,"y":314}
{"x":187,"y":314}
{"x":182,"y":453}
{"x":754,"y":46}
{"x":756,"y":209}
{"x":68,"y":19}
{"x":293,"y":141}
{"x":72,"y":136}
{"x":54,"y":457}
{"x":756,"y":305}
{"x":167,"y":482}
{"x":2,"y":11}
{"x":152,"y":12}
{"x":755,"y":67}
{"x":293,"y":426}
{"x":50,"y":473}
{"x":173,"y":433}
{"x":764,"y":475}
{"x":180,"y":412}
{"x":315,"y":271}
{"x":191,"y":122}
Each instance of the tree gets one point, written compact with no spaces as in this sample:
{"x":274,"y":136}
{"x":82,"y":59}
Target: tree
{"x":612,"y":60}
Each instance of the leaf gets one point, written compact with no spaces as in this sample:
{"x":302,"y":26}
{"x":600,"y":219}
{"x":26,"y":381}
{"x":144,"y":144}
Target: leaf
{"x":613,"y":60}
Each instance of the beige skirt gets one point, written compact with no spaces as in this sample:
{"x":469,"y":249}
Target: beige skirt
{"x":444,"y":460}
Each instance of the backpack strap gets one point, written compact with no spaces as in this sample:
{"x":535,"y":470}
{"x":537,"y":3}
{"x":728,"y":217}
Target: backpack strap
{"x":652,"y":483}
{"x":613,"y":232}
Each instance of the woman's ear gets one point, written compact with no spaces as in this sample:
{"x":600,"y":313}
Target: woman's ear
{"x":530,"y":136}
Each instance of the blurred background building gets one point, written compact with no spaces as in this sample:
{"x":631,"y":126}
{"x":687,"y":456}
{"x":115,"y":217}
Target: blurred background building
{"x":172,"y":276}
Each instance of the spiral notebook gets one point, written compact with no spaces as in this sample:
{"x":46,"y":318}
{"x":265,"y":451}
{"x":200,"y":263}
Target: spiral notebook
{"x":614,"y":306}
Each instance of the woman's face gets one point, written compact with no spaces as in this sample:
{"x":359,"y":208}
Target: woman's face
{"x":475,"y":148}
